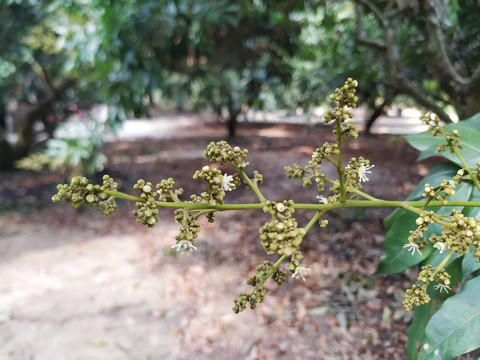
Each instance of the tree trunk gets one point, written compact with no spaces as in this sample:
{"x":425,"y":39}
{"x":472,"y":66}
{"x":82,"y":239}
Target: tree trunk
{"x":232,"y":125}
{"x":24,"y":120}
{"x":233,"y":113}
{"x":7,"y":159}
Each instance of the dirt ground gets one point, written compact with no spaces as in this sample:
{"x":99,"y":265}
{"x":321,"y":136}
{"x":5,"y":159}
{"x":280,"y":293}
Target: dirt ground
{"x":76,"y":285}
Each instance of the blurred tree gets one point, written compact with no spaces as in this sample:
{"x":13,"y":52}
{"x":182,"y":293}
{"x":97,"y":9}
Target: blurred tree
{"x":428,"y":50}
{"x":431,"y":48}
{"x":58,"y":57}
{"x":240,"y":56}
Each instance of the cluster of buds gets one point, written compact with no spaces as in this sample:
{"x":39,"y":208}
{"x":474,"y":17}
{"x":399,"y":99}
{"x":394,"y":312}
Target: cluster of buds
{"x":166,"y":192}
{"x":263,"y":272}
{"x":444,"y":190}
{"x":296,"y":268}
{"x":459,"y":237}
{"x":417,"y":240}
{"x":311,"y":172}
{"x":257,"y":179}
{"x":417,"y":295}
{"x":344,"y":96}
{"x":147,"y":209}
{"x":453,"y":141}
{"x":255,"y":297}
{"x":217,"y":182}
{"x":358,"y":170}
{"x":433,"y":123}
{"x":453,"y":137}
{"x":281,"y":235}
{"x":221,"y":152}
{"x":81,"y":192}
{"x":189,"y":229}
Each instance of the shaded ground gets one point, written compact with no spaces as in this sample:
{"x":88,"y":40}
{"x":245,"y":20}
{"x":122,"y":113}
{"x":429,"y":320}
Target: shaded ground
{"x":76,"y":285}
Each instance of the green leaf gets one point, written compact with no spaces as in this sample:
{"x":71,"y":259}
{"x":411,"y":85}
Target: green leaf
{"x":469,"y":265}
{"x":473,"y":121}
{"x":470,"y":140}
{"x":423,"y":313}
{"x":435,"y":176}
{"x":455,"y":328}
{"x":416,"y":330}
{"x":396,"y":258}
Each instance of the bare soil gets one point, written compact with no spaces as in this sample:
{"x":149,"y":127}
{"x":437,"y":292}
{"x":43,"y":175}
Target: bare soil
{"x":77,"y":285}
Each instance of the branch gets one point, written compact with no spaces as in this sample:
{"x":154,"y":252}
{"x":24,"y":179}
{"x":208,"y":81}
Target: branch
{"x":359,"y":36}
{"x":436,"y":49}
{"x":402,"y":83}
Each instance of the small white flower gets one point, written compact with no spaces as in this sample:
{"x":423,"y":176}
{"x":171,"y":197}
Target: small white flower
{"x":300,"y":271}
{"x":322,"y":199}
{"x":184,"y":245}
{"x":227,"y":182}
{"x":412,"y":247}
{"x":363,"y":171}
{"x":280,"y":207}
{"x":440,"y":246}
{"x":442,"y":287}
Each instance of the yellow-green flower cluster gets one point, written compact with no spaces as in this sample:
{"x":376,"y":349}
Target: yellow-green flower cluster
{"x":417,"y":240}
{"x":345,"y":97}
{"x":81,"y":192}
{"x":464,"y":233}
{"x":256,"y":296}
{"x":417,"y":295}
{"x":147,"y":209}
{"x":166,"y":192}
{"x":444,"y":190}
{"x":312,"y":172}
{"x":189,"y":228}
{"x":217,"y":182}
{"x":281,"y":235}
{"x":221,"y":152}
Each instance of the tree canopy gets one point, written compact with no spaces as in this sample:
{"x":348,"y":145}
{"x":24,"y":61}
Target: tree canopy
{"x":61,"y":57}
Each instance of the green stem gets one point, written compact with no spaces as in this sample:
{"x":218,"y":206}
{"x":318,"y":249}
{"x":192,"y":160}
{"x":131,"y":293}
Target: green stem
{"x":414,"y":206}
{"x":361,"y":193}
{"x":314,"y":219}
{"x":443,"y":263}
{"x":339,"y":160}
{"x":465,"y":166}
{"x":270,"y":273}
{"x":249,"y":182}
{"x":120,"y":195}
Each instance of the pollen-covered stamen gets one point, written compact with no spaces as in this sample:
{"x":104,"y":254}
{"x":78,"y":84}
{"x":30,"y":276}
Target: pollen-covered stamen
{"x":184,"y":245}
{"x":227,"y":182}
{"x":413,"y":247}
{"x":363,"y":171}
{"x":300,"y":271}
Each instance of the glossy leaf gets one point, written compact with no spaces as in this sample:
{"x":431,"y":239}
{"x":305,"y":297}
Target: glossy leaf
{"x":399,"y":224}
{"x":455,"y":328}
{"x":416,"y":330}
{"x":470,"y":140}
